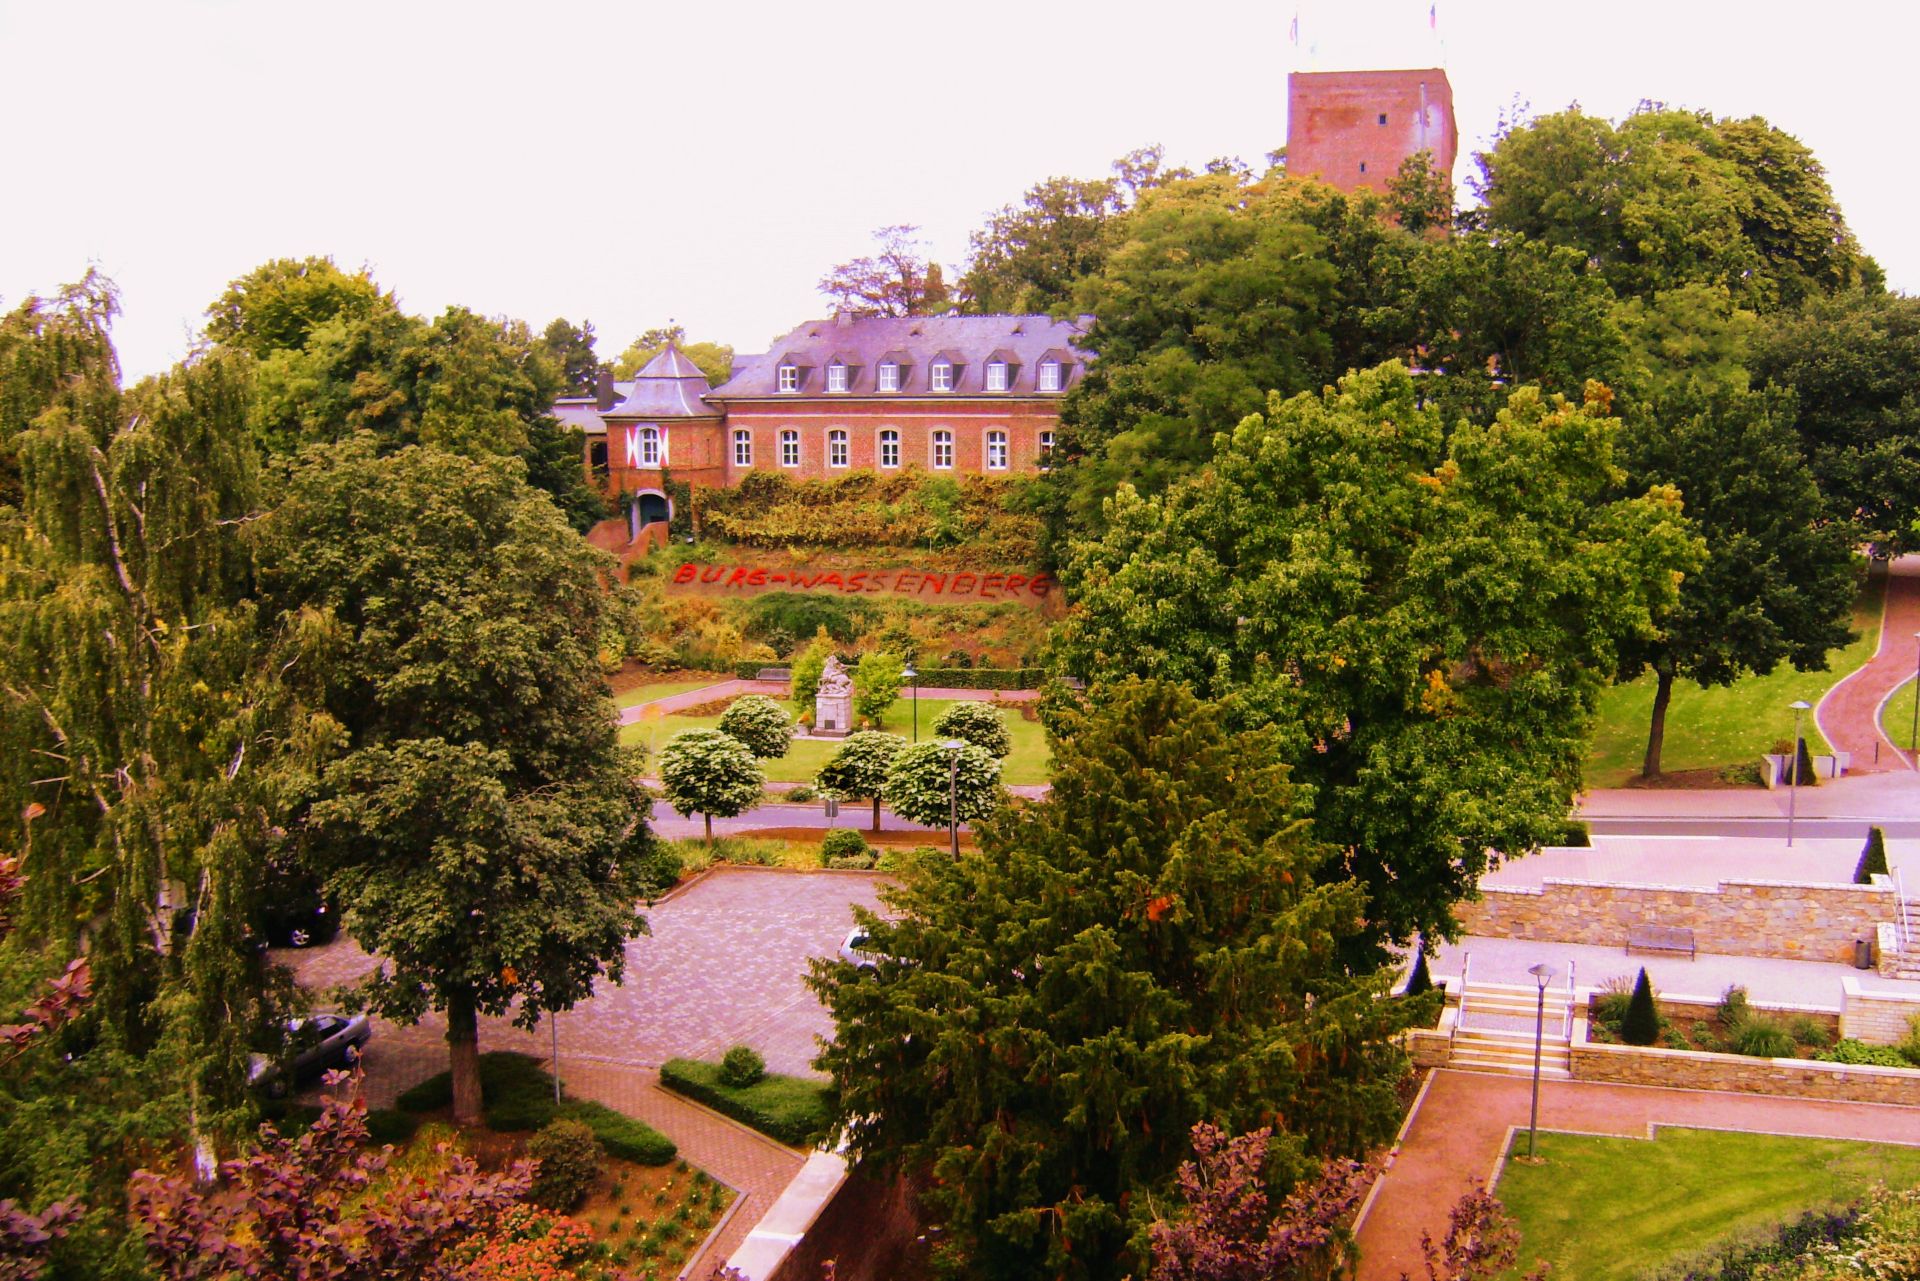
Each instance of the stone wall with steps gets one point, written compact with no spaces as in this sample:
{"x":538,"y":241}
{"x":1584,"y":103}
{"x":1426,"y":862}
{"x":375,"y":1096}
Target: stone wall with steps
{"x":1792,"y":920}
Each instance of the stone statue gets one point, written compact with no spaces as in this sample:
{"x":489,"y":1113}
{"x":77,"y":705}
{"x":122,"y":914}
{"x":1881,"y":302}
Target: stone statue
{"x":833,"y":701}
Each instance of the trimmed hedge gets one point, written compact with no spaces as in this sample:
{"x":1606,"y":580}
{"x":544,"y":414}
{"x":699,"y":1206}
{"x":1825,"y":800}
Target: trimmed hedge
{"x":518,"y":1095}
{"x":788,"y":1108}
{"x":944,"y":677}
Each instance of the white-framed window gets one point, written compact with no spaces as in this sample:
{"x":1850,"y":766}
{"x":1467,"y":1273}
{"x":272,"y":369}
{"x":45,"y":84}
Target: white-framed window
{"x":996,"y":451}
{"x":1049,"y":375}
{"x":996,"y":375}
{"x":789,"y":376}
{"x":943,"y":450}
{"x":889,"y":376}
{"x":889,"y":447}
{"x":649,"y":446}
{"x":1046,"y":445}
{"x":837,"y":447}
{"x":742,"y":447}
{"x":789,"y":447}
{"x":836,"y":377}
{"x":940,"y":376}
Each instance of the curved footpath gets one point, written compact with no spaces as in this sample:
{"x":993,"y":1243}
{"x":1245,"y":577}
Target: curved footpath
{"x":778,"y":689}
{"x":1460,"y":1124}
{"x":1849,"y":714}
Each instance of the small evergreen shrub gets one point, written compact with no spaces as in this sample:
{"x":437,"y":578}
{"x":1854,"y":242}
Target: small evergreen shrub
{"x":1873,"y":857}
{"x":660,"y":868}
{"x":741,"y":1067}
{"x":570,"y":1164}
{"x":852,"y":863}
{"x":1641,"y":1024}
{"x":801,"y":793}
{"x":1807,"y":777}
{"x":1420,"y":980}
{"x":842,"y":843}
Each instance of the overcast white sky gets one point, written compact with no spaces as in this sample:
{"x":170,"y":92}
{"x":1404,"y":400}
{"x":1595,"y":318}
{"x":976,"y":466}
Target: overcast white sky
{"x":626,"y":163}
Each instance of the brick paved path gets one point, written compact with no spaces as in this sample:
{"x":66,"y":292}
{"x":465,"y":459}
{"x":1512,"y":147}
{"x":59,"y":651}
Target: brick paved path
{"x":1849,"y":714}
{"x":724,"y":964}
{"x":778,"y":689}
{"x":1457,"y":1135}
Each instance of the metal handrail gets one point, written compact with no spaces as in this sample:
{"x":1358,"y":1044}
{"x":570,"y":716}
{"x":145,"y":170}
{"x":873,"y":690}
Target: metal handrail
{"x":1900,"y":918}
{"x":1460,"y":1011}
{"x":1568,"y":1030}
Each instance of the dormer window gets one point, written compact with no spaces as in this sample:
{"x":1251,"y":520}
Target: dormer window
{"x":1049,"y":375}
{"x":940,"y":376}
{"x":889,"y":376}
{"x":996,"y":375}
{"x":836,"y":378}
{"x":789,"y":378}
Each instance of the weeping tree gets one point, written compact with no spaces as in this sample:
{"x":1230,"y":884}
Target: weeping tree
{"x":475,"y":814}
{"x":138,"y":740}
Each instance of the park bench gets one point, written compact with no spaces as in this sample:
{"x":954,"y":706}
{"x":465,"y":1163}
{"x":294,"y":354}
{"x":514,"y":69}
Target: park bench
{"x":774,"y":674}
{"x":1660,"y":938}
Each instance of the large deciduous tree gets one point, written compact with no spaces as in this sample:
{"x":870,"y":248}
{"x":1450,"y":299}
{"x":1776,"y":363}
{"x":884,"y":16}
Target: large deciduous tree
{"x":278,"y":305}
{"x":1430,"y":609}
{"x":1778,"y":581}
{"x":1157,"y":943}
{"x":477,"y":817}
{"x":713,"y":359}
{"x":898,"y":280}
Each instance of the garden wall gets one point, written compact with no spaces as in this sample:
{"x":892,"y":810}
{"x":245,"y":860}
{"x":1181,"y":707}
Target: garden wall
{"x":1878,"y":1018}
{"x":1696,"y":1070}
{"x":1794,"y":920}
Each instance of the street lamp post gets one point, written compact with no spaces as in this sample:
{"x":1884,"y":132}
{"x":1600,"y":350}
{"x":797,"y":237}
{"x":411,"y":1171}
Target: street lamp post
{"x":913,"y":675}
{"x":952,"y":748}
{"x":1799,"y":705}
{"x":1543,"y":975}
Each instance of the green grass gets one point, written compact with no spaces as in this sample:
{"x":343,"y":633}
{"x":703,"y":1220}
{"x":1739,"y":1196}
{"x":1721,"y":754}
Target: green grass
{"x":517,"y":1095}
{"x":791,"y":1109}
{"x":1896,"y":715}
{"x":1028,"y":762}
{"x":1726,"y":725}
{"x":1608,"y":1209}
{"x":663,"y":689}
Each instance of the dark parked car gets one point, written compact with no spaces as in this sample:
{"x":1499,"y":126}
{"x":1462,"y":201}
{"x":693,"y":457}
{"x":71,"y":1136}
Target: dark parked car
{"x":317,"y":1045}
{"x":297,"y":912}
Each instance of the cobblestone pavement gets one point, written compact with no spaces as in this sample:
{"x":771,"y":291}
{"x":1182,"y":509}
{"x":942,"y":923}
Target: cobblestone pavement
{"x":1463,"y":1120}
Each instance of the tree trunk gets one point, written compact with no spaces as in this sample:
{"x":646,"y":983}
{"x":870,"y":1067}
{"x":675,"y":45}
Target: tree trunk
{"x":709,"y":819}
{"x":876,"y":813}
{"x":463,"y":1047}
{"x":1657,"y":734}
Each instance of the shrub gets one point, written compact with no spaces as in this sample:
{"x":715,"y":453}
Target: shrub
{"x":876,"y":683}
{"x":660,"y":869}
{"x":1910,"y":1047}
{"x":570,"y":1164}
{"x":801,"y":793}
{"x":976,"y":723}
{"x":518,"y":1095}
{"x":786,"y":1108}
{"x":805,"y":681}
{"x":852,"y":863}
{"x":1419,"y":981}
{"x":1873,"y":857}
{"x":742,"y":1066}
{"x":843,"y":842}
{"x":622,"y":1136}
{"x":1860,"y":1054}
{"x":1763,"y":1038}
{"x":1807,"y":1030}
{"x":388,"y":1125}
{"x":1641,"y":1024}
{"x":760,"y":724}
{"x":1733,"y":1009}
{"x":1609,"y":1003}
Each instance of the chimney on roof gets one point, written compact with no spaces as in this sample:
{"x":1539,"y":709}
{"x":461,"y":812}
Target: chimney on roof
{"x":842,"y":317}
{"x":603,"y":394}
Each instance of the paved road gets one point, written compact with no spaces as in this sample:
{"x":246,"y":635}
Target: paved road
{"x":1461,"y":1126}
{"x":1849,"y":714}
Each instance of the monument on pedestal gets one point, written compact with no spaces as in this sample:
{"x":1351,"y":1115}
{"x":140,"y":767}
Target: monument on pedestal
{"x":833,"y":701}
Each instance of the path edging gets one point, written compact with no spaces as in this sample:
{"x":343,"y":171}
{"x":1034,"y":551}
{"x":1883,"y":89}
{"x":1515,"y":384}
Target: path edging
{"x":1393,"y":1152}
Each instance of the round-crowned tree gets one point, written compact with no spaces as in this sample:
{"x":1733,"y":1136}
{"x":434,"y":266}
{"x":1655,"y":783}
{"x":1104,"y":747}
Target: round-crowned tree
{"x":858,"y":771}
{"x":706,"y":772}
{"x":976,"y":723}
{"x":761,"y":724}
{"x":925,"y":786}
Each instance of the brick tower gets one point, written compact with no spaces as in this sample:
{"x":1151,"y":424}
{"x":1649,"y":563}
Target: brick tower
{"x":1351,"y":129}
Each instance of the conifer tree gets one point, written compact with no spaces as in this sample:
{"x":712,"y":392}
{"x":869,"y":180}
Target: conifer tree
{"x":1641,"y":1025}
{"x":1873,"y":857}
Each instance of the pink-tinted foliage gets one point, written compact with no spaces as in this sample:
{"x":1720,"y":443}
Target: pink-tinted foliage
{"x":301,"y":1210}
{"x":1229,"y":1233}
{"x":26,"y":1238}
{"x":1482,"y":1242}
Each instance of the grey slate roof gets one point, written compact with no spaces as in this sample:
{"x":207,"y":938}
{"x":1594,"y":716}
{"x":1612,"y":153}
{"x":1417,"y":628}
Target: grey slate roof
{"x":671,"y":386}
{"x":581,"y":411}
{"x":862,"y":342}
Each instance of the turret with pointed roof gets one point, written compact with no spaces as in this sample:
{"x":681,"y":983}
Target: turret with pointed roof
{"x":670,"y":387}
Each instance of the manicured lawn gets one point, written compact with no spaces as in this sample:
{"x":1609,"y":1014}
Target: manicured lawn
{"x":662,"y":689}
{"x":1607,"y":1209}
{"x":1027,"y":764}
{"x":1896,"y":715}
{"x":1712,"y":728}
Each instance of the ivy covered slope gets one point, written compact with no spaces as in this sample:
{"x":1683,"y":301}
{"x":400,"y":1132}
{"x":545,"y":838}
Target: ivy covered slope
{"x":1161,"y":941}
{"x":1425,"y":608}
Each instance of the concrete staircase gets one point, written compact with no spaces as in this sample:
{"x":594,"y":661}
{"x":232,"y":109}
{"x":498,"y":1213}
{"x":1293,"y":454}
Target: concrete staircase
{"x":1494,"y":1026}
{"x":1906,"y":958}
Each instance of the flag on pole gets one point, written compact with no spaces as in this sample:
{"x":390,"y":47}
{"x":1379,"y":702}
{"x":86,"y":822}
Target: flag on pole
{"x":1433,"y":16}
{"x":1294,"y":33}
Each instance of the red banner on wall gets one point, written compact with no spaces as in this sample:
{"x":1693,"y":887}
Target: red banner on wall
{"x":929,"y":584}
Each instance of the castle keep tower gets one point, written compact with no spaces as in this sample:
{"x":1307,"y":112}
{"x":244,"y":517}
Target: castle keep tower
{"x":1352,"y":129}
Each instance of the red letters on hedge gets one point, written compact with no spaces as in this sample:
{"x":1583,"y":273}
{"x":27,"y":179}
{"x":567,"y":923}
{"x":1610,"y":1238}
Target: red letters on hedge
{"x":904,"y":582}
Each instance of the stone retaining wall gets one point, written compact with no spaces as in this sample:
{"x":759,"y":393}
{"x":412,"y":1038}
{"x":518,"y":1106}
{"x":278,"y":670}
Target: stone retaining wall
{"x":1878,"y":1018}
{"x":1799,"y":921}
{"x":1695,"y":1070}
